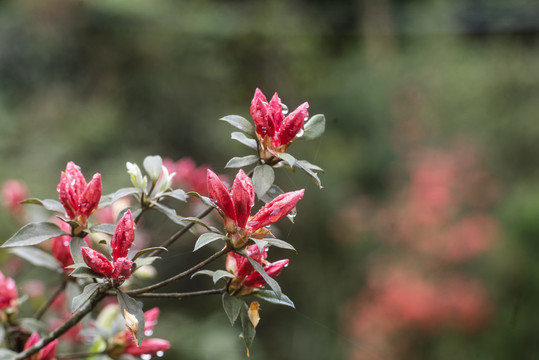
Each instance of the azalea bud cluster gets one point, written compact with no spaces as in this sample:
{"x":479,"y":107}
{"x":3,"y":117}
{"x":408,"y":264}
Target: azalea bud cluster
{"x":95,"y":246}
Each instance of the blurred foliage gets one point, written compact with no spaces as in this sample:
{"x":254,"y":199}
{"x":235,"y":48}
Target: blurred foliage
{"x":107,"y":81}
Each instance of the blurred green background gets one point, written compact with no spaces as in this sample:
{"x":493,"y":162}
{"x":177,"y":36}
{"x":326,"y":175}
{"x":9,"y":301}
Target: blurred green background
{"x":103,"y":82}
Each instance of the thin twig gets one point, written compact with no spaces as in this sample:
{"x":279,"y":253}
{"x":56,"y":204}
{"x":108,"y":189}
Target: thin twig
{"x":45,"y":306}
{"x":96,"y":297}
{"x":179,"y":296}
{"x":181,"y":275}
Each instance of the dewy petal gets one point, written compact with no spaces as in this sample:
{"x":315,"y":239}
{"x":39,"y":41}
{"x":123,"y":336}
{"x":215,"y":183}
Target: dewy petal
{"x":97,"y":261}
{"x":123,"y":237}
{"x":292,"y":125}
{"x":49,"y":351}
{"x":148,"y":347}
{"x":8,"y":291}
{"x":243,"y":196}
{"x":260,"y":114}
{"x":90,"y":197}
{"x":65,"y":194}
{"x":34,"y":338}
{"x":275,"y":210}
{"x":276,"y":116}
{"x":219,"y":193}
{"x":122,"y":268}
{"x":60,"y":250}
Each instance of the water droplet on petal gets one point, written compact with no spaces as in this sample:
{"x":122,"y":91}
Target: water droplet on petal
{"x":160,"y":353}
{"x":146,"y":356}
{"x":148,"y":332}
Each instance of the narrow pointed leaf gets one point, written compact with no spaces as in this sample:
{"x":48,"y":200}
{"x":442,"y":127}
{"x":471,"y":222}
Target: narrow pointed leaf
{"x":269,"y":280}
{"x":49,"y":204}
{"x":240,"y":123}
{"x":263,"y":177}
{"x":311,"y":166}
{"x":6,"y":354}
{"x":207,"y":238}
{"x":205,"y":200}
{"x":232,"y":306}
{"x":203,"y":272}
{"x":245,"y":140}
{"x":79,"y":300}
{"x":142,"y":261}
{"x":309,"y":172}
{"x":279,"y":243}
{"x":219,"y":274}
{"x":249,"y":331}
{"x":238,"y":162}
{"x":177,"y":194}
{"x":314,"y":127}
{"x":107,"y":200}
{"x":103,"y":228}
{"x":34,"y":233}
{"x":148,"y":250}
{"x":37,"y":257}
{"x":84,"y":271}
{"x":289,"y":159}
{"x":133,"y":307}
{"x":271,"y":297}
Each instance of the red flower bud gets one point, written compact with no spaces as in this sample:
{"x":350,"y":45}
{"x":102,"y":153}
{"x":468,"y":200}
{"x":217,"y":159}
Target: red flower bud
{"x":261,"y":116}
{"x":273,"y":270}
{"x":219,"y":194}
{"x":122,"y":268}
{"x":8,"y":292}
{"x":275,"y":210}
{"x":243,"y":197}
{"x":123,"y":237}
{"x":97,"y":262}
{"x":79,"y":199}
{"x":47,"y":353}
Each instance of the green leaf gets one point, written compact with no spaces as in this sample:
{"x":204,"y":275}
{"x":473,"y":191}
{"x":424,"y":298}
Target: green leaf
{"x":6,"y":354}
{"x":197,"y":221}
{"x":49,"y":204}
{"x":245,"y":140}
{"x":314,"y":127}
{"x":2,"y":336}
{"x":142,"y":261}
{"x":219,"y":274}
{"x":249,"y":332}
{"x":272,"y":193}
{"x":205,"y":200}
{"x":177,"y":194}
{"x":313,"y":167}
{"x":107,"y":200}
{"x":300,"y":164}
{"x":152,"y":165}
{"x":240,"y":123}
{"x":203,"y":272}
{"x":279,"y":243}
{"x":103,"y":228}
{"x":33,"y":325}
{"x":270,"y":281}
{"x":34,"y":233}
{"x":148,"y":250}
{"x":271,"y":297}
{"x":133,"y":307}
{"x":74,"y":246}
{"x":207,"y":238}
{"x":169,"y":212}
{"x":238,"y":162}
{"x":289,"y":159}
{"x":37,"y":257}
{"x":263,"y":177}
{"x":232,"y":306}
{"x":83,"y":271}
{"x":79,"y":300}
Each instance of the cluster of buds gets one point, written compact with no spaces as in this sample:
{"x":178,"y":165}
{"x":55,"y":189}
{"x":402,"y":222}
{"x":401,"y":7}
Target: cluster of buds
{"x":235,"y":206}
{"x":80,"y":199}
{"x":120,"y":267}
{"x":245,"y":277}
{"x":275,"y":131}
{"x":125,"y":343}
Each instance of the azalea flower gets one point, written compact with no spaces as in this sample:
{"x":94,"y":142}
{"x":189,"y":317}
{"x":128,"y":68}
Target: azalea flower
{"x":235,"y":206}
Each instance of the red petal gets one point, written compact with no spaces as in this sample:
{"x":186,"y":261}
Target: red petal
{"x":261,"y":115}
{"x":273,"y":270}
{"x":97,"y":261}
{"x":34,"y":338}
{"x":92,"y":194}
{"x":275,"y":210}
{"x":149,"y":346}
{"x":123,"y":237}
{"x":219,"y":193}
{"x":49,"y":351}
{"x":150,"y":318}
{"x":292,"y":125}
{"x":60,"y":250}
{"x":243,"y":196}
{"x":276,"y":116}
{"x":122,"y":268}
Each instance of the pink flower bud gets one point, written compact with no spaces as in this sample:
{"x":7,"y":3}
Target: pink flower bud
{"x":291,"y":125}
{"x":8,"y":292}
{"x":150,"y":319}
{"x":219,"y":193}
{"x":243,"y":197}
{"x":123,"y":237}
{"x":79,"y":199}
{"x":47,"y":353}
{"x":13,"y":192}
{"x":261,"y":116}
{"x":97,"y":262}
{"x":275,"y":210}
{"x":273,"y":270}
{"x":122,"y":268}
